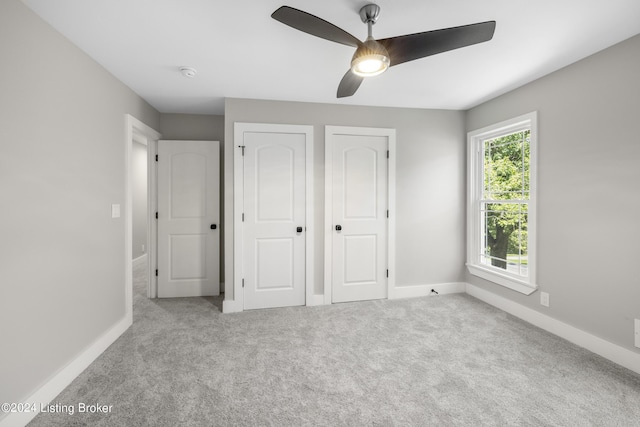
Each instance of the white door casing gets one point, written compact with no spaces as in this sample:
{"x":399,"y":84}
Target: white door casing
{"x":188,"y":218}
{"x":273,"y":184}
{"x":359,"y":200}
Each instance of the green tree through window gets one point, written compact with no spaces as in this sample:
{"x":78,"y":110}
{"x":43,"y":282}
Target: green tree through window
{"x":504,"y":204}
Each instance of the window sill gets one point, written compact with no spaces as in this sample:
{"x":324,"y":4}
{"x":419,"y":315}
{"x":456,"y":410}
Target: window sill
{"x":502,"y":279}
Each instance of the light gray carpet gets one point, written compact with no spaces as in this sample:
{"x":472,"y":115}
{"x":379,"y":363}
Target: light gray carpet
{"x":449,"y":360}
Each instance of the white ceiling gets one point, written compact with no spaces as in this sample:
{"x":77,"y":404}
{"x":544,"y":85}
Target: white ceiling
{"x":240,"y":51}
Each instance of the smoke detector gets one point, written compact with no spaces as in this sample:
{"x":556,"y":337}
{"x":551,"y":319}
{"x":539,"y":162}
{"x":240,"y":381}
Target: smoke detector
{"x":188,"y":71}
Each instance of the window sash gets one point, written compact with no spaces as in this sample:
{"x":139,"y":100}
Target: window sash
{"x":515,"y":264}
{"x":488,"y":145}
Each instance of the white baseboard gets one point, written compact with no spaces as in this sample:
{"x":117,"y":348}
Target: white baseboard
{"x":412,"y":291}
{"x":140,"y":260}
{"x":315,"y":300}
{"x":52,"y":388}
{"x":606,"y":349}
{"x":229,"y":306}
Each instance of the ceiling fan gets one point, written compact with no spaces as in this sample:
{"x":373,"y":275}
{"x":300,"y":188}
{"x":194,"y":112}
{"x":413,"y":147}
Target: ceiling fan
{"x":373,"y":57}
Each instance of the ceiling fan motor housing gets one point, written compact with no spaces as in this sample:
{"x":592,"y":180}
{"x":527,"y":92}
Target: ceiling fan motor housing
{"x":371,"y":58}
{"x":370,"y":13}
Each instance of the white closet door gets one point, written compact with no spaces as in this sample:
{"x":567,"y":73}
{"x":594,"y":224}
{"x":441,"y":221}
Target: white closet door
{"x":188,"y":218}
{"x":274,"y":219}
{"x":359,"y":258}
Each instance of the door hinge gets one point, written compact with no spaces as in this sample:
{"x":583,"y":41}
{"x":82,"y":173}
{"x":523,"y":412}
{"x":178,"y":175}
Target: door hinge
{"x":387,"y":213}
{"x":243,"y":283}
{"x":387,"y":272}
{"x":156,"y":157}
{"x":156,"y":215}
{"x":242,"y":146}
{"x":242,"y":216}
{"x":156,"y":272}
{"x":387,"y":154}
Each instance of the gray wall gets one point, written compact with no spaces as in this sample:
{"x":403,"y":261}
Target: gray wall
{"x":430,"y":181}
{"x":198,"y":127}
{"x":62,"y":165}
{"x":139,"y":196}
{"x":588,"y":193}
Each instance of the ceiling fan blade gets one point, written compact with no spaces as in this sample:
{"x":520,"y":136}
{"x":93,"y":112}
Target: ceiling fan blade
{"x":349,"y":84}
{"x":313,"y":25}
{"x":415,"y":46}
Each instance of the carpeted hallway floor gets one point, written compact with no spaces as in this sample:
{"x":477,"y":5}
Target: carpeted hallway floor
{"x":449,"y":360}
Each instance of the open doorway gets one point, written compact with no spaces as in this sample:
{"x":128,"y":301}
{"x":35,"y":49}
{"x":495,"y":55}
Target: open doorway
{"x":140,"y":215}
{"x":140,"y":233}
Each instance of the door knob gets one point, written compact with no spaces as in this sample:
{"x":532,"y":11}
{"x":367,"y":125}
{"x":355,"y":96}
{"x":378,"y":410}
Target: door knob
{"x":299,"y":230}
{"x":338,"y":227}
{"x":213,"y":226}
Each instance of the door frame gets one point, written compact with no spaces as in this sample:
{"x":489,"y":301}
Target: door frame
{"x":137,"y":132}
{"x":239,"y":128}
{"x":329,"y":133}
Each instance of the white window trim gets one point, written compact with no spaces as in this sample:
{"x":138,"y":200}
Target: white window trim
{"x":474,"y":169}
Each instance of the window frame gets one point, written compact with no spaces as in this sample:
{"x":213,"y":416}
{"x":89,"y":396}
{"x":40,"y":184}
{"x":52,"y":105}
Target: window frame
{"x":475,"y":187}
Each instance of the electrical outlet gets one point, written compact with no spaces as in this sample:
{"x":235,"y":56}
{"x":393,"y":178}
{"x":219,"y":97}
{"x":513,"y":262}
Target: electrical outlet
{"x":544,"y":298}
{"x":637,"y":331}
{"x":115,"y":211}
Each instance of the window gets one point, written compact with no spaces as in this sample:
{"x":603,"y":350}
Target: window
{"x":501,"y":206}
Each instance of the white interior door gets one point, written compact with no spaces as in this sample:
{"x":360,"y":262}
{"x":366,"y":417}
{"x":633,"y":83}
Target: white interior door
{"x":274,"y":219}
{"x":188,"y":218}
{"x":360,"y":232}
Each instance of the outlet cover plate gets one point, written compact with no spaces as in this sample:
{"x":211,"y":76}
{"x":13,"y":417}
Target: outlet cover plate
{"x":544,"y":299}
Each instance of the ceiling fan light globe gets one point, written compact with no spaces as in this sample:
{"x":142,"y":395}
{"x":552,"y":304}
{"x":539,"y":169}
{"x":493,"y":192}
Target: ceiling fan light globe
{"x":369,"y":65}
{"x":370,"y":59}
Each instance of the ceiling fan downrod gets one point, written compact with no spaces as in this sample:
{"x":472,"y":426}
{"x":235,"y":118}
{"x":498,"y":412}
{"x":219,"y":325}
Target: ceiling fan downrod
{"x":369,"y":15}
